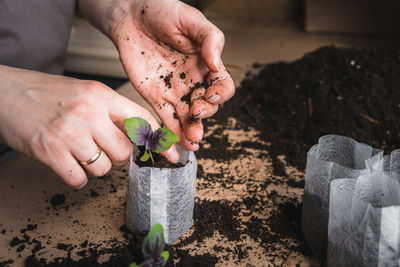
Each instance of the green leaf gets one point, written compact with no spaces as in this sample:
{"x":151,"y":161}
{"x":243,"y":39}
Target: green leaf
{"x":154,"y":243}
{"x":165,"y":255}
{"x":145,"y":156}
{"x":134,"y":265}
{"x":166,"y":139}
{"x":137,"y":129}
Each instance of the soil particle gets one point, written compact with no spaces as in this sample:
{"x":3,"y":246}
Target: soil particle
{"x":167,"y":79}
{"x":182,"y":75}
{"x":57,"y":200}
{"x":175,"y":116}
{"x":15,"y":242}
{"x":84,"y":244}
{"x":29,"y":227}
{"x":20,"y":248}
{"x":93,"y":193}
{"x":62,"y":246}
{"x":6,"y":263}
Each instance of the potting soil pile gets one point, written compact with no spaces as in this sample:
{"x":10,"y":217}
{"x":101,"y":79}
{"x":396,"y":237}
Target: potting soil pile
{"x":251,"y":164}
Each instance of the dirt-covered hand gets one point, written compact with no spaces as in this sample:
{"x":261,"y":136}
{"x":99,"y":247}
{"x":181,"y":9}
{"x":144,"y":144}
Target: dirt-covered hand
{"x":61,"y":121}
{"x":172,"y":55}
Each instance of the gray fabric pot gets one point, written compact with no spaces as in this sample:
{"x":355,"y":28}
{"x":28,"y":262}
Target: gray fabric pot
{"x":332,"y":158}
{"x":364,"y":221}
{"x":162,"y":195}
{"x":351,"y":204}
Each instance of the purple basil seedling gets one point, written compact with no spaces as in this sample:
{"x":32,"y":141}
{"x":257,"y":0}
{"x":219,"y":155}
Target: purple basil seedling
{"x":140,"y":133}
{"x":153,"y":248}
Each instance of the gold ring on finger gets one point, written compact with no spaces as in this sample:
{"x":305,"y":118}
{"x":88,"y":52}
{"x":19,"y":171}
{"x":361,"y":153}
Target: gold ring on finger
{"x":92,"y":159}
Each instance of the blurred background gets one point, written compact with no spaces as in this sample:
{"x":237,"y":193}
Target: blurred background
{"x":276,"y":29}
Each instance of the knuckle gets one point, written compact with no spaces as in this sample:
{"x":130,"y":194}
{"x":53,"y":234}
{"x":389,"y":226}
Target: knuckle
{"x":80,"y":107}
{"x":61,"y":126}
{"x":93,"y":86}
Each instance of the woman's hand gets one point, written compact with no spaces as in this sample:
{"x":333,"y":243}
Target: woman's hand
{"x":60,"y":121}
{"x":172,"y":55}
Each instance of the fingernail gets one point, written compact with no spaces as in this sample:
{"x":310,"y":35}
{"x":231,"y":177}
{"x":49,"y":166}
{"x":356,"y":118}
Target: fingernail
{"x":172,"y":155}
{"x":214,"y":98}
{"x":217,"y":59}
{"x":82,"y":185}
{"x":200,"y":114}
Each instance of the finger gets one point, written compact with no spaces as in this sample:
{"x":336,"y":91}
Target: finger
{"x":84,"y":149}
{"x":69,"y":170}
{"x":211,"y":40}
{"x":56,"y":154}
{"x":200,"y":108}
{"x":113,"y":141}
{"x":192,"y":127}
{"x":171,"y":120}
{"x":121,"y":108}
{"x":221,"y":90}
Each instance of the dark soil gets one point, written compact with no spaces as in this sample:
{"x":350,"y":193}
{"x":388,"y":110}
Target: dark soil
{"x":167,"y":79}
{"x":351,"y":92}
{"x":159,"y":161}
{"x":57,"y":200}
{"x":197,"y":85}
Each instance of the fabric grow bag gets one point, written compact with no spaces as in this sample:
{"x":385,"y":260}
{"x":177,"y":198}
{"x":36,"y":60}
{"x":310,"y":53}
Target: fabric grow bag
{"x":162,"y":195}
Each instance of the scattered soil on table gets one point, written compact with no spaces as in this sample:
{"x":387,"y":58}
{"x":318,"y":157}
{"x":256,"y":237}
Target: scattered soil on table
{"x":252,"y":159}
{"x":159,"y":161}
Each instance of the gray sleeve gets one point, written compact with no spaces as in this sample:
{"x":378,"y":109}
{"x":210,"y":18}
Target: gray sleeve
{"x":34,"y":34}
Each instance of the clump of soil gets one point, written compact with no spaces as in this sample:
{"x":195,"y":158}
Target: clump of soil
{"x":197,"y":85}
{"x":159,"y":161}
{"x":57,"y":200}
{"x":167,"y":79}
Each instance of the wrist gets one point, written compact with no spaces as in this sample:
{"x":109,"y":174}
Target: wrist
{"x":106,"y":15}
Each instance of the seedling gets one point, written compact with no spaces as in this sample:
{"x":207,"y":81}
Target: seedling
{"x":152,"y":248}
{"x":140,"y":133}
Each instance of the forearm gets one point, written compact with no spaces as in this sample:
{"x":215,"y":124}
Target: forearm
{"x":105,"y":14}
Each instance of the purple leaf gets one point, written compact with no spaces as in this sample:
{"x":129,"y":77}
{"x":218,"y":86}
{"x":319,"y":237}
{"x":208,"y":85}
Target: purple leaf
{"x":138,"y":130}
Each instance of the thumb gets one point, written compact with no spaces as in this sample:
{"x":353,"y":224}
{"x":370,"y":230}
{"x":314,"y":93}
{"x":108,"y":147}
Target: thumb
{"x":121,"y":108}
{"x":201,"y":31}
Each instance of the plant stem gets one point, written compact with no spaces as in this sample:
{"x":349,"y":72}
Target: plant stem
{"x":151,"y":156}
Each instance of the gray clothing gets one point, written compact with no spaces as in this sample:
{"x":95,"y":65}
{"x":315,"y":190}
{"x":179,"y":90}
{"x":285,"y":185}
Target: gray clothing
{"x":34,"y":33}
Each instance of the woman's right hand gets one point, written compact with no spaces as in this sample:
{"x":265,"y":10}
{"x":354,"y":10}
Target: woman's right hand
{"x":60,"y":121}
